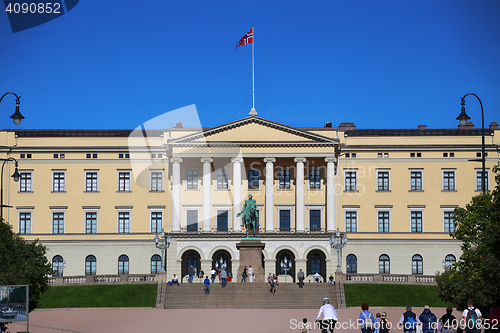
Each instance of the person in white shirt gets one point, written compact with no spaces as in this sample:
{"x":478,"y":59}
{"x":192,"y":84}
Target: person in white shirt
{"x":329,"y":316}
{"x":213,"y":273}
{"x":472,"y":320}
{"x":250,"y":273}
{"x":175,"y":280}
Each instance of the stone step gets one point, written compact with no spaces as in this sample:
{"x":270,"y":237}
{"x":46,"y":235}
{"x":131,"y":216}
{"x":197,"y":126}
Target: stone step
{"x":248,"y":296}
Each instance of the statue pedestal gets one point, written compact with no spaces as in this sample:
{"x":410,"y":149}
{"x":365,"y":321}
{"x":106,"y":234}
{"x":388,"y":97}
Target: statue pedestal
{"x":251,"y":254}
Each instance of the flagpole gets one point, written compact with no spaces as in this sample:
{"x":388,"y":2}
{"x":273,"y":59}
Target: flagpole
{"x":253,"y":112}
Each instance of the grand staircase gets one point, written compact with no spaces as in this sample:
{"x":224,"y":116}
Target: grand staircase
{"x":248,"y":296}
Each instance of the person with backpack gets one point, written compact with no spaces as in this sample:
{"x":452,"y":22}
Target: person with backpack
{"x":472,"y":318}
{"x":448,"y":322}
{"x":366,"y":319}
{"x":429,"y":320}
{"x":409,"y":321}
{"x":376,"y":325}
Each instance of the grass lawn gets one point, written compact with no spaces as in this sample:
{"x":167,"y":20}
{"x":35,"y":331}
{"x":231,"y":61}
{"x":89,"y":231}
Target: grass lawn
{"x":392,"y":295}
{"x":126,"y":295}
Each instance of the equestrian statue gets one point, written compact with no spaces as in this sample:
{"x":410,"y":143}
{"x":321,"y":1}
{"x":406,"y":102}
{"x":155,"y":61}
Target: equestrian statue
{"x":249,"y":217}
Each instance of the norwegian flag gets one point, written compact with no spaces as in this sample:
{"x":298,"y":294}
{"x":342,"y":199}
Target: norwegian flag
{"x":247,"y":39}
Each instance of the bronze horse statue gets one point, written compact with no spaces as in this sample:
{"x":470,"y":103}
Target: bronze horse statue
{"x":249,"y":217}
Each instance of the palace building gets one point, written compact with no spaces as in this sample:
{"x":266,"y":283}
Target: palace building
{"x":98,"y":198}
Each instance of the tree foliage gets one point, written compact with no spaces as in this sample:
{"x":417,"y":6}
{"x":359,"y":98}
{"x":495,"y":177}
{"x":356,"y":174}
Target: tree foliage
{"x":476,"y":275}
{"x":23,"y":262}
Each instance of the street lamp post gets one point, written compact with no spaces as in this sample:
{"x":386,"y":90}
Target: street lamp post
{"x":163,"y":243}
{"x":463,"y":117}
{"x":286,"y":265}
{"x":16,"y":176}
{"x":221,"y":264}
{"x":17,"y":116}
{"x":338,"y":241}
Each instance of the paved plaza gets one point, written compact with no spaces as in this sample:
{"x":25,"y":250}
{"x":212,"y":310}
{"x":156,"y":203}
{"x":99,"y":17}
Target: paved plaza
{"x":139,"y":320}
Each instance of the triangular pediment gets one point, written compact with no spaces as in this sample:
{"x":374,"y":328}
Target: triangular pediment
{"x":253,"y":129}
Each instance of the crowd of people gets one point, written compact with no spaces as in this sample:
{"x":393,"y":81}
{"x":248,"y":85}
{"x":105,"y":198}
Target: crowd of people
{"x":471,"y":320}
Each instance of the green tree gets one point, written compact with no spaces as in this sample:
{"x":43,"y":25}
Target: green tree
{"x":23,"y":262}
{"x":476,"y":274}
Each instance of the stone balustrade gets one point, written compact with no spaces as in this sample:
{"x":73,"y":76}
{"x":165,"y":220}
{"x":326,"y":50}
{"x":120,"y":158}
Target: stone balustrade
{"x":102,"y":279}
{"x":387,"y":278}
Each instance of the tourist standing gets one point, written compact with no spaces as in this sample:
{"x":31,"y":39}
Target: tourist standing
{"x":428,"y":319}
{"x":207,"y":285}
{"x":250,"y":273}
{"x":301,"y":276}
{"x":223,"y":277}
{"x":376,"y":325}
{"x":229,"y":276}
{"x":384,"y":323}
{"x":409,"y":320}
{"x":213,"y":273}
{"x":191,"y":273}
{"x":327,"y":311}
{"x":244,"y":275}
{"x":448,"y":322}
{"x":472,"y":318}
{"x":366,"y":319}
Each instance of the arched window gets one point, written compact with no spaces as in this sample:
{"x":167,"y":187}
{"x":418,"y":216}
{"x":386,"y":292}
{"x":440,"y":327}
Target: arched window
{"x":155,"y":264}
{"x":384,"y":264}
{"x":417,"y":264}
{"x":449,"y":261}
{"x":351,"y":264}
{"x":58,"y":265}
{"x":315,"y":263}
{"x":123,"y":264}
{"x":90,"y":265}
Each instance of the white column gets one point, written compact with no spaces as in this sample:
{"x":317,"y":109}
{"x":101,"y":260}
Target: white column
{"x":176,"y":193}
{"x":207,"y":190}
{"x":330,"y":193}
{"x":270,"y":193}
{"x":237,"y":193}
{"x":300,"y":193}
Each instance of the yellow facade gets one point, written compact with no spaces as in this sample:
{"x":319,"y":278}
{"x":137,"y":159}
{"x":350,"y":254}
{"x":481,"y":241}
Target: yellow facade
{"x":95,"y":196}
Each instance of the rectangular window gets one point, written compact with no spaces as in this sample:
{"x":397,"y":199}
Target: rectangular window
{"x":350,"y":181}
{"x":58,"y":182}
{"x":416,"y":221}
{"x":124,"y":181}
{"x":222,"y":219}
{"x":25,"y":223}
{"x":479,"y":180}
{"x":315,"y":220}
{"x":192,"y":179}
{"x":91,"y":181}
{"x":383,"y":181}
{"x":284,"y":179}
{"x":416,"y":181}
{"x":353,"y":155}
{"x":351,"y":221}
{"x":222,"y":183}
{"x":56,"y":155}
{"x":156,"y":181}
{"x":192,"y":220}
{"x":156,"y":222}
{"x":25,"y":182}
{"x":448,"y":180}
{"x":449,"y":223}
{"x":91,"y":223}
{"x":253,"y":179}
{"x":58,"y":223}
{"x":123,"y":222}
{"x":383,"y":221}
{"x":315,"y":178}
{"x":284,"y":220}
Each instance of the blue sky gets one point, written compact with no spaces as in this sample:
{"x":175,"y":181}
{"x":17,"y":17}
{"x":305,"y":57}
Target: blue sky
{"x":379,"y":64}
